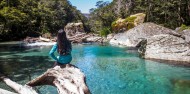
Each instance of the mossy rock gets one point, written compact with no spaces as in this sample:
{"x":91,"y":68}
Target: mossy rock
{"x":130,"y":25}
{"x":123,"y":25}
{"x":130,"y":19}
{"x":130,"y":22}
{"x":140,"y":17}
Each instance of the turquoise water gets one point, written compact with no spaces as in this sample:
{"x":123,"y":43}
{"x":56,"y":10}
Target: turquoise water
{"x":108,"y":70}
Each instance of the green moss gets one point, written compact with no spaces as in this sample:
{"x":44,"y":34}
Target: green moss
{"x":130,"y":25}
{"x":183,"y":27}
{"x":113,"y":23}
{"x":130,"y":19}
{"x":127,"y":24}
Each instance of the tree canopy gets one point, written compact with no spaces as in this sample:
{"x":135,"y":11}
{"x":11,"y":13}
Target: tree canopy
{"x":168,"y":13}
{"x":21,"y":18}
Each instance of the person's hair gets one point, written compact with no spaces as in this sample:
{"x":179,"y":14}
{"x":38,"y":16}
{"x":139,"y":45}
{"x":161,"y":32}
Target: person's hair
{"x":62,"y":42}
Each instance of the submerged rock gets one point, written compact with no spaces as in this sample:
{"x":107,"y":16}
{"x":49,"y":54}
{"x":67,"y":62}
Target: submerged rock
{"x":165,"y":47}
{"x":134,"y":36}
{"x":181,"y":86}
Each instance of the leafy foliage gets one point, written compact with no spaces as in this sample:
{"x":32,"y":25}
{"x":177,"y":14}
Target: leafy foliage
{"x":169,"y":13}
{"x":183,"y":27}
{"x":21,"y":18}
{"x":101,"y":17}
{"x":105,"y":31}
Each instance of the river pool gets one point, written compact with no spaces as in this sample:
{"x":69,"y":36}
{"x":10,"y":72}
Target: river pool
{"x":108,"y":69}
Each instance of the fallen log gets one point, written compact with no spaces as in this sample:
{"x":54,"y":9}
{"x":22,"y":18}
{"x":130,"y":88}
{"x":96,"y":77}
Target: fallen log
{"x":67,"y":78}
{"x":2,"y":91}
{"x":19,"y":88}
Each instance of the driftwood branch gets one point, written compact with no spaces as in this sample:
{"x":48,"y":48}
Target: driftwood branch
{"x":2,"y":91}
{"x":67,"y":78}
{"x":19,"y":88}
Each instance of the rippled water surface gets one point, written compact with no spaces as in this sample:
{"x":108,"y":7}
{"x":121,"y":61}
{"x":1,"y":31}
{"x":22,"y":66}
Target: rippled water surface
{"x":108,"y":70}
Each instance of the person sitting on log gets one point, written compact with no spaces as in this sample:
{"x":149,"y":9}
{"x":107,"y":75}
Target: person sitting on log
{"x":63,"y":47}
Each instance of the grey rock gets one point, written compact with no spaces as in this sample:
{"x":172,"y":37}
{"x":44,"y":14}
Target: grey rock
{"x":165,"y":47}
{"x":110,"y":36}
{"x":186,"y":34}
{"x":72,"y":28}
{"x":134,"y":36}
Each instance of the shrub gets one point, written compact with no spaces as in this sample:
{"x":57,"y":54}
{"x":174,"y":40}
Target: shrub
{"x":183,"y":27}
{"x":113,"y":24}
{"x":105,"y":31}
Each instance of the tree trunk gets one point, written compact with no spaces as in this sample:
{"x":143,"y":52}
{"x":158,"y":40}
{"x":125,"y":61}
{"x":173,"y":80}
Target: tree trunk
{"x":19,"y":88}
{"x":67,"y":78}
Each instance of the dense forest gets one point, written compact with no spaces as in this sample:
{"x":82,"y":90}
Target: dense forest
{"x":168,"y":13}
{"x":21,"y":18}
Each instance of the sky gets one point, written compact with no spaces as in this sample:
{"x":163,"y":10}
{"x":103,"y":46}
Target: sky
{"x":85,"y":5}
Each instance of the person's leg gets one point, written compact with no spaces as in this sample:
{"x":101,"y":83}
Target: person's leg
{"x":55,"y":63}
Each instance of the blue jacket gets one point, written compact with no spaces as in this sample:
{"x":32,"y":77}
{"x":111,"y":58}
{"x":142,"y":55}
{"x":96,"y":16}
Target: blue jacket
{"x":63,"y":59}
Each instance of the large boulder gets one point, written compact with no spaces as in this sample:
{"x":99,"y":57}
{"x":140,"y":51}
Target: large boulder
{"x":140,"y":17}
{"x":165,"y":47}
{"x":134,"y":36}
{"x":72,"y":28}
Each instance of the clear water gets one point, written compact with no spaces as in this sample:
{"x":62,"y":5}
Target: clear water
{"x":108,"y":70}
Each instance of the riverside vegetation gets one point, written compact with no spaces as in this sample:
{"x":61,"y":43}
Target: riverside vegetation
{"x":21,"y":18}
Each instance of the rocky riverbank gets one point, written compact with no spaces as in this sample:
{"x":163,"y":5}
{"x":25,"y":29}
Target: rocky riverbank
{"x":78,"y":38}
{"x":166,"y":47}
{"x":157,"y":42}
{"x":152,"y":41}
{"x":75,"y":33}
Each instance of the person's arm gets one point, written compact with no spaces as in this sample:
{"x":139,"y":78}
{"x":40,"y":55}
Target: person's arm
{"x":51,"y":53}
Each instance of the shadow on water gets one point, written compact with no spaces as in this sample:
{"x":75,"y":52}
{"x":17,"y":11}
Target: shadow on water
{"x":21,"y":67}
{"x":17,"y":63}
{"x":21,"y":64}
